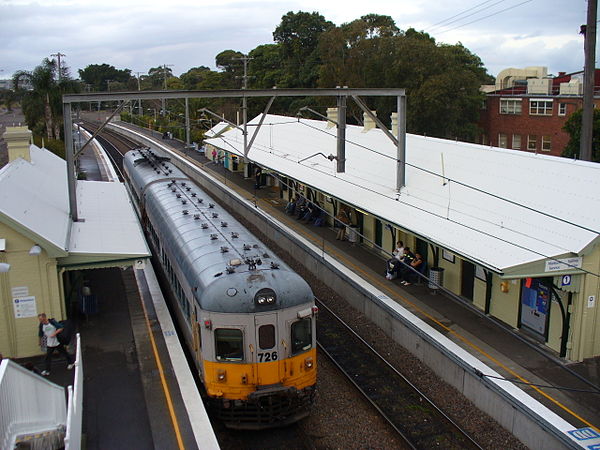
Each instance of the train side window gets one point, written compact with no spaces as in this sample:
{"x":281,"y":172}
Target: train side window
{"x":229,"y":344}
{"x":301,"y":335}
{"x":266,"y":337}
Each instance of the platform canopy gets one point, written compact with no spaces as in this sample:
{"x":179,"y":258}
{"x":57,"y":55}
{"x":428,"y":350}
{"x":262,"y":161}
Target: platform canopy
{"x":507,"y":210}
{"x":34,"y":202}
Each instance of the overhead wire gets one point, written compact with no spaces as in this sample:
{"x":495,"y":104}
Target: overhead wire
{"x":485,"y":17}
{"x":469,"y":227}
{"x":449,"y":20}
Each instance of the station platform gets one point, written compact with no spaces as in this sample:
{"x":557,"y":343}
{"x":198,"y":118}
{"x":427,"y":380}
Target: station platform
{"x":139,"y":391}
{"x":509,"y":352}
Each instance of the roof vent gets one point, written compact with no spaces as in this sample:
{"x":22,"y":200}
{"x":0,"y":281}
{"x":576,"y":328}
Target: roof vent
{"x":170,"y":171}
{"x":193,"y":194}
{"x":224,"y":249}
{"x":235,"y":235}
{"x":183,"y":183}
{"x":255,"y":245}
{"x":223,"y":224}
{"x":230,"y":269}
{"x":247,"y":247}
{"x":196,"y":216}
{"x":204,"y":225}
{"x":274,"y":265}
{"x":200,"y":200}
{"x":173,"y":189}
{"x":188,"y":189}
{"x":211,"y":205}
{"x":215,"y":215}
{"x":265,"y":255}
{"x":184,"y":202}
{"x":214,"y":236}
{"x":185,"y":212}
{"x":178,"y":195}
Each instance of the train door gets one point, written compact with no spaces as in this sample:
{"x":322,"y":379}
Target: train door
{"x":467,"y":280}
{"x":267,"y":354}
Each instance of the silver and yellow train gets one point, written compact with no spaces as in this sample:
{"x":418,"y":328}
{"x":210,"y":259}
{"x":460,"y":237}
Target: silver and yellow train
{"x":248,"y":319}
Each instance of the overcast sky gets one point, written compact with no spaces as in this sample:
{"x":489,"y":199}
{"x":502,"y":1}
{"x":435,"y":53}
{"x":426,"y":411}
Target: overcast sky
{"x":138,"y":34}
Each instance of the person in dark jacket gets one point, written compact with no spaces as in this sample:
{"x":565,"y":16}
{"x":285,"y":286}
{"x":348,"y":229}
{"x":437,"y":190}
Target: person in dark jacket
{"x":49,"y":329}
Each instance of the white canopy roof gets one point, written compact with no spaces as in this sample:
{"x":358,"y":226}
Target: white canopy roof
{"x":462,"y":196}
{"x":34,"y":201}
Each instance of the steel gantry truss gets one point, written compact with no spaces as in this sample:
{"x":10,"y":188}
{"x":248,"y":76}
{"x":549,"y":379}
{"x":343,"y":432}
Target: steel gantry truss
{"x":341,"y":94}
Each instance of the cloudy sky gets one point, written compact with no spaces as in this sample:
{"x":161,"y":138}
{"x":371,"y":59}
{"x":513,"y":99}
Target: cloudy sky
{"x":139,"y":34}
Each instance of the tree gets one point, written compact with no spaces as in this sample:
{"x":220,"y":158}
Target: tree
{"x":157,"y":76}
{"x":98,"y":75}
{"x":573,"y":127}
{"x":442,"y":81}
{"x":42,"y":106}
{"x":298,"y":36}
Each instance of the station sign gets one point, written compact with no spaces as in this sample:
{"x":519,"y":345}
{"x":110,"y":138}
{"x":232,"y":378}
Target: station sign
{"x":587,"y":438}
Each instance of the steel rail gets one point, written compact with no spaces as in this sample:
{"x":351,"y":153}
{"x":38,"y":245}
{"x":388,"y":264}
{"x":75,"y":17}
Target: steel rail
{"x":400,"y":375}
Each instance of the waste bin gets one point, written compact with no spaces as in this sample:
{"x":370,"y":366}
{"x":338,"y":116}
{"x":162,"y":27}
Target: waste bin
{"x":351,"y":234}
{"x":436,"y":278}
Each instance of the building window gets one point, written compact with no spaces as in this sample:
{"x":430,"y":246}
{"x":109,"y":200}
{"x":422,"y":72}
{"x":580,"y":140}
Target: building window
{"x":502,"y":140}
{"x":562,"y":109}
{"x":510,"y":106}
{"x":546,"y":143}
{"x":516,"y":141}
{"x":532,"y":142}
{"x":540,"y":107}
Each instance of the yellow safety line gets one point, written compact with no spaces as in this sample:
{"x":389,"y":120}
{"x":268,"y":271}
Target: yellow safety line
{"x":163,"y":379}
{"x":393,"y":294}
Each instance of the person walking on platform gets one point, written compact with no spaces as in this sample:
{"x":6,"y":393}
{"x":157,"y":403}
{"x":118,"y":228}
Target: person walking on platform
{"x":50,"y":329}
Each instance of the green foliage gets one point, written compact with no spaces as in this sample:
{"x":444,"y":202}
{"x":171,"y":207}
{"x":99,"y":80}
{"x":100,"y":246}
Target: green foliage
{"x":42,"y":106}
{"x":573,"y":127}
{"x":442,"y":81}
{"x":54,"y":145}
{"x":98,"y":75}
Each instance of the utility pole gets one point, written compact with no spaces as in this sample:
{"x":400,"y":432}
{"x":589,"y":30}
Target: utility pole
{"x":140,"y":109}
{"x":587,"y":120}
{"x":58,"y":55}
{"x":164,"y":106}
{"x":244,"y":78}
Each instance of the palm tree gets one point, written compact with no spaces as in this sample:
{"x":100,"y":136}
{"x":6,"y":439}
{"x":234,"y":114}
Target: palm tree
{"x":42,"y":106}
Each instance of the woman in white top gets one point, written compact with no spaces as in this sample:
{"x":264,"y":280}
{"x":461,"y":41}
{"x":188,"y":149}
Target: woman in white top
{"x":399,"y":252}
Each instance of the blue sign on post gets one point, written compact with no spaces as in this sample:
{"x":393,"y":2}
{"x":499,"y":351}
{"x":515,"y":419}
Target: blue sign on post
{"x":566,"y":280}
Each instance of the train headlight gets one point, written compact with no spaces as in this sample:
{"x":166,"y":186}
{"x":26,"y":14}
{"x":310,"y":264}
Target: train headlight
{"x":265,"y":297}
{"x":221,"y":375}
{"x":308,"y":363}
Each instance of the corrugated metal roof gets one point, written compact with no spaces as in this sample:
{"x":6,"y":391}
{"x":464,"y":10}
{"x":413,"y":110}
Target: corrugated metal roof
{"x":34,"y":200}
{"x":33,"y":195}
{"x":110,"y":227}
{"x":461,"y":217}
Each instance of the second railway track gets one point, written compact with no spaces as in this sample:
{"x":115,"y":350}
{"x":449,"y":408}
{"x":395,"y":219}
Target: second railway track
{"x":417,"y":419}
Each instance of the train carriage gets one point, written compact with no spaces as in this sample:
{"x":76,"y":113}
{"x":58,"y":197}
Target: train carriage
{"x":247,"y":317}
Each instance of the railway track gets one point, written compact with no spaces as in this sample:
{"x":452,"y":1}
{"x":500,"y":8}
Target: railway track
{"x":115,"y":144}
{"x":416,"y":418}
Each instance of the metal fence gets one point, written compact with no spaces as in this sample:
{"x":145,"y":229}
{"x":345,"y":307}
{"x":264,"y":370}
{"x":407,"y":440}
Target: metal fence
{"x":29,"y":404}
{"x":75,"y":403}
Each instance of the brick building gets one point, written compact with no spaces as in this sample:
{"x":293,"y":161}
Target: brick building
{"x":526,"y":109}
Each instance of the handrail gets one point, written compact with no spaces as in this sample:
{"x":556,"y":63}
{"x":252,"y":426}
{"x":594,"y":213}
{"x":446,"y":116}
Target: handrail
{"x":28,"y":404}
{"x":75,"y":403}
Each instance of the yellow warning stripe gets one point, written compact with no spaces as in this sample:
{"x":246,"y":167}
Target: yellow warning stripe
{"x":163,"y":380}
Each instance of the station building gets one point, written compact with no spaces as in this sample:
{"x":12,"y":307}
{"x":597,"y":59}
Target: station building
{"x":41,"y":248}
{"x":514,"y":233}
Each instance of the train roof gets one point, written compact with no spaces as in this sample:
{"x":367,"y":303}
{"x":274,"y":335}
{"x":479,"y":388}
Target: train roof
{"x":224,"y":263}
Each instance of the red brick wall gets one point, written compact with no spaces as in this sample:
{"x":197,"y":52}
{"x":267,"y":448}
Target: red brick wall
{"x":493,"y":123}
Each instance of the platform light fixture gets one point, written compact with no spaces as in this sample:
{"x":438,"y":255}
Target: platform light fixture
{"x":35,"y":250}
{"x":4,"y":267}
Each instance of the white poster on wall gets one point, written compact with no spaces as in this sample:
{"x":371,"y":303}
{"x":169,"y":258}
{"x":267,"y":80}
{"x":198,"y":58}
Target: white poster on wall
{"x":24,"y":307}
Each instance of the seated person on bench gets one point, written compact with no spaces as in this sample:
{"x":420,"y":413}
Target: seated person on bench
{"x":406,"y":274}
